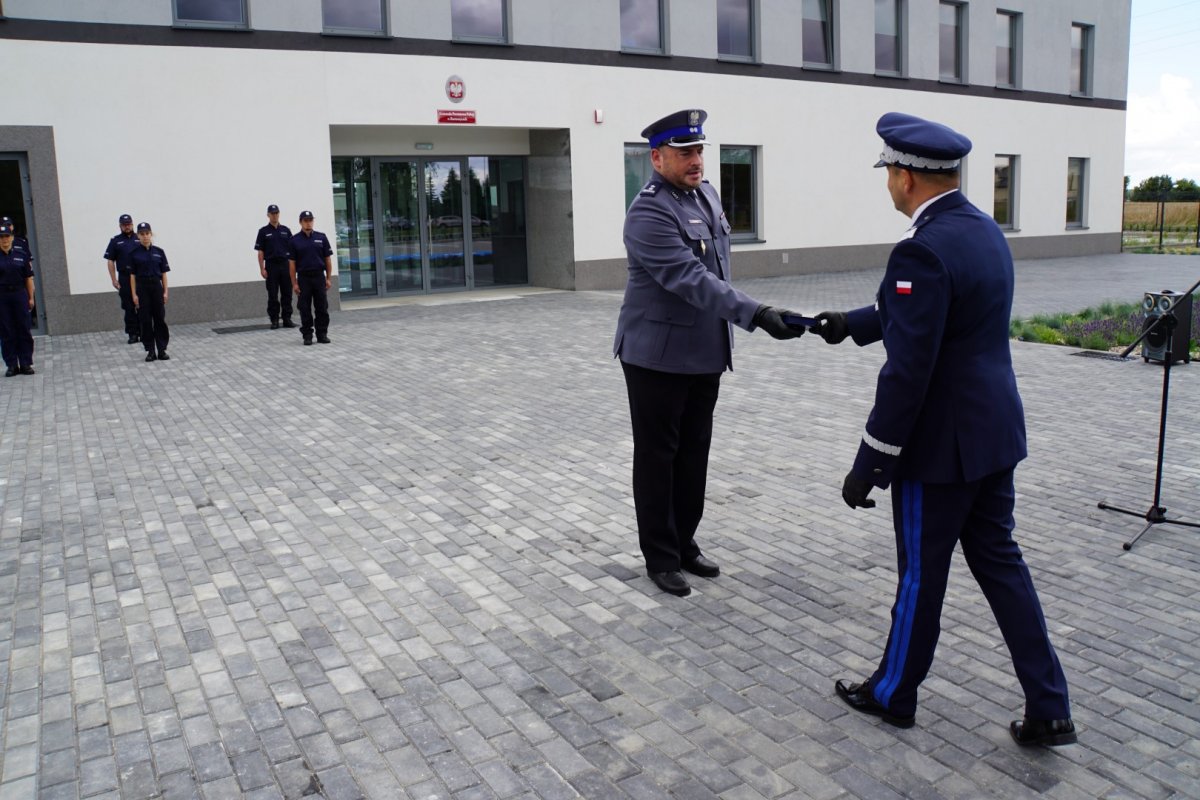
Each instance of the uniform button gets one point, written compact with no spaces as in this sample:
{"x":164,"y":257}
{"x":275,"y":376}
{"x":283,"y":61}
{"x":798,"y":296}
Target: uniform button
{"x":878,"y":471}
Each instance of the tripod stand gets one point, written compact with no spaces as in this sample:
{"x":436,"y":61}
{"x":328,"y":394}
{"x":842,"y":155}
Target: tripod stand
{"x":1157,"y":514}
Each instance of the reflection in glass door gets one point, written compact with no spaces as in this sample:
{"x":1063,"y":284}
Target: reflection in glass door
{"x":400,"y":248}
{"x":354,"y":228}
{"x":444,"y":207}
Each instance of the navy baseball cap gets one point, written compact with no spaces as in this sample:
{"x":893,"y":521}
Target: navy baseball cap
{"x":681,"y":129}
{"x":125,"y":219}
{"x":306,"y":215}
{"x":272,"y":209}
{"x":6,"y":229}
{"x":920,"y":145}
{"x":143,"y":227}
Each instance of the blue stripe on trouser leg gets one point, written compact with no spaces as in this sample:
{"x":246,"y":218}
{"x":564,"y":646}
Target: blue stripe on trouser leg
{"x":906,"y":599}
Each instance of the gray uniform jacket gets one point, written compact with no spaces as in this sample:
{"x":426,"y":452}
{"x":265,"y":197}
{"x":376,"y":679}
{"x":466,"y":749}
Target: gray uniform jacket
{"x":679,"y":305}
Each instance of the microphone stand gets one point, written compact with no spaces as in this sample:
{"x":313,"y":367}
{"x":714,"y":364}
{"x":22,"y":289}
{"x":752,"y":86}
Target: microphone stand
{"x":1157,"y":514}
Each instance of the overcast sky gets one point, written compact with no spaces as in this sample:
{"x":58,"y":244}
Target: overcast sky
{"x":1162,"y":134}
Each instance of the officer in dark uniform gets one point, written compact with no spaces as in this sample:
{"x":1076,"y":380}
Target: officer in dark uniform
{"x":675,"y":338}
{"x":272,"y":246}
{"x":19,"y":242}
{"x":311,"y":272}
{"x":148,"y":283}
{"x":16,"y":301}
{"x":946,"y":431}
{"x":117,"y":254}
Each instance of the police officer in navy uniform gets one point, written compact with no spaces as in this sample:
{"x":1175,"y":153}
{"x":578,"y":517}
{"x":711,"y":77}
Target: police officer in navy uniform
{"x":675,"y":338}
{"x":272,"y":247}
{"x":311,"y":272}
{"x":16,"y":301}
{"x":117,"y":255}
{"x":148,"y":283}
{"x":946,"y":431}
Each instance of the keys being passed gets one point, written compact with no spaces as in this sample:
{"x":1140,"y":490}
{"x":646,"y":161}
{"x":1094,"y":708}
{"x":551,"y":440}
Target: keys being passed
{"x":798,"y":322}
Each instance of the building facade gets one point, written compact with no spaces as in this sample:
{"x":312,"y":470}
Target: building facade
{"x":459,"y":144}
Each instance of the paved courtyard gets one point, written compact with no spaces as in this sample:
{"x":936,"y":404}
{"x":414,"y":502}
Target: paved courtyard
{"x":403,"y":565}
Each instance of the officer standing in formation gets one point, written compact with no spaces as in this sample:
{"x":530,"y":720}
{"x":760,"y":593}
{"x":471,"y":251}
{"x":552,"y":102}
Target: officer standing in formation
{"x":117,"y":254}
{"x":946,"y":431}
{"x":675,"y":338}
{"x":16,"y":301}
{"x":272,"y":245}
{"x":311,"y":271}
{"x":148,"y":284}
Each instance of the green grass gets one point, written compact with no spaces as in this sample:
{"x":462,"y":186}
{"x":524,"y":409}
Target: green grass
{"x":1108,"y":326}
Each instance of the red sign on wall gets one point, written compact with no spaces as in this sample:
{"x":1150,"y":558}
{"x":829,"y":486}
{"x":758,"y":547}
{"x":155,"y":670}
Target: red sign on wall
{"x":455,"y":117}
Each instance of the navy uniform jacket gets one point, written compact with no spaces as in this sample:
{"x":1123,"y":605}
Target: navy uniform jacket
{"x":274,"y":242}
{"x":119,"y":248}
{"x":679,"y":305}
{"x":15,"y":267}
{"x":309,"y":252}
{"x":148,"y":262}
{"x":946,"y":403}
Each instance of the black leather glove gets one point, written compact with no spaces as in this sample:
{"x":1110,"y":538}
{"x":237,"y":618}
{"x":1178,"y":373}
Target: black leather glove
{"x":855,"y":491}
{"x":770,"y":319}
{"x":834,"y":328}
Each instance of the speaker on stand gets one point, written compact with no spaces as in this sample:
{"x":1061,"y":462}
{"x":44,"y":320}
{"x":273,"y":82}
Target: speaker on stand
{"x":1154,"y":346}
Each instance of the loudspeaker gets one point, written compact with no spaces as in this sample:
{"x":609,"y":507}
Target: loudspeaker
{"x":1154,"y":346}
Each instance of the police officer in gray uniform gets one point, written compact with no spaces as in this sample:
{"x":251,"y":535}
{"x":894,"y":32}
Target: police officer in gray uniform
{"x":674,"y":339}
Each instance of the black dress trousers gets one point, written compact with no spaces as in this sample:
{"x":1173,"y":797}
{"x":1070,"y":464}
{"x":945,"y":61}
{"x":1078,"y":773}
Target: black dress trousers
{"x":152,"y":312}
{"x":313,"y":298}
{"x":279,"y":290}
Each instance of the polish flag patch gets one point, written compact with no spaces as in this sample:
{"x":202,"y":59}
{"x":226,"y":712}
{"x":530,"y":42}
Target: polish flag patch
{"x":903,"y":287}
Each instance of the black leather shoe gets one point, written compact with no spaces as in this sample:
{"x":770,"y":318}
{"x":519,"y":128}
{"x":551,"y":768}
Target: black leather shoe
{"x":162,"y":356}
{"x":1050,"y":732}
{"x":671,"y":582}
{"x":702,"y":566}
{"x":8,"y":373}
{"x":133,"y":339}
{"x":323,"y":339}
{"x":274,"y":325}
{"x":287,"y":323}
{"x":859,"y":697}
{"x":151,"y":357}
{"x":27,"y":369}
{"x":307,"y":340}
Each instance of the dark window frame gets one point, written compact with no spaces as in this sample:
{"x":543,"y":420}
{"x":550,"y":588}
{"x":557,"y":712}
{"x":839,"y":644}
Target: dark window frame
{"x":662,"y":48}
{"x":505,"y":22}
{"x":901,"y":64}
{"x":643,"y":151}
{"x":185,"y":22}
{"x":960,"y":41}
{"x":1080,"y":197}
{"x":831,"y":12}
{"x":1086,"y":60}
{"x":754,"y":234}
{"x":1015,"y":51}
{"x":751,"y":33}
{"x":337,"y":30}
{"x":1014,"y":188}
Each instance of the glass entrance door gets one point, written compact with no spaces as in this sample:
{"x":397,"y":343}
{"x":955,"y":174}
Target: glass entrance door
{"x":399,"y":210}
{"x":446,"y":224}
{"x":16,"y":203}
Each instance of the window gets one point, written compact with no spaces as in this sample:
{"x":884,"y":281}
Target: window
{"x":1007,"y":52}
{"x":888,"y":41}
{"x":1004,"y":199}
{"x":638,"y":169}
{"x":211,"y":13}
{"x":1076,"y":196}
{"x":1081,"y":59}
{"x":353,"y":16}
{"x":479,"y":20}
{"x":739,"y":192}
{"x":950,"y":42}
{"x":817,"y":33}
{"x":642,"y":26}
{"x":735,"y":29}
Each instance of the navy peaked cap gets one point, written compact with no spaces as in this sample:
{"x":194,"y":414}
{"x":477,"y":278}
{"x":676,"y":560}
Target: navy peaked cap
{"x":920,"y":145}
{"x":681,"y":129}
{"x":306,"y":215}
{"x":272,"y":209}
{"x":125,"y":219}
{"x":6,"y":229}
{"x":143,"y":227}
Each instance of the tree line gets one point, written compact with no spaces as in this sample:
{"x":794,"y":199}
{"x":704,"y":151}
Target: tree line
{"x":1163,"y":188}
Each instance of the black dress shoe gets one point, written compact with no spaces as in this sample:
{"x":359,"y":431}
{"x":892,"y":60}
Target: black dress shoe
{"x":274,"y":325}
{"x":307,"y":340}
{"x":323,"y":339}
{"x":1050,"y":732}
{"x":162,"y":356}
{"x":671,"y":582}
{"x":151,"y":357}
{"x":8,"y":373}
{"x":27,"y":369}
{"x":287,"y":323}
{"x":133,"y":339}
{"x":859,"y":697}
{"x":702,"y":566}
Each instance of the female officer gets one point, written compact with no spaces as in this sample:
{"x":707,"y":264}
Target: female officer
{"x":148,"y":270}
{"x":16,"y":301}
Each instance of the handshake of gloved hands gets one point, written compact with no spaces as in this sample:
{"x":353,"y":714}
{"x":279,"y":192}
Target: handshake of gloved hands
{"x":831,"y":327}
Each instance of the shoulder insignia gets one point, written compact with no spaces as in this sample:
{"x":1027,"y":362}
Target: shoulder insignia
{"x":650,"y":188}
